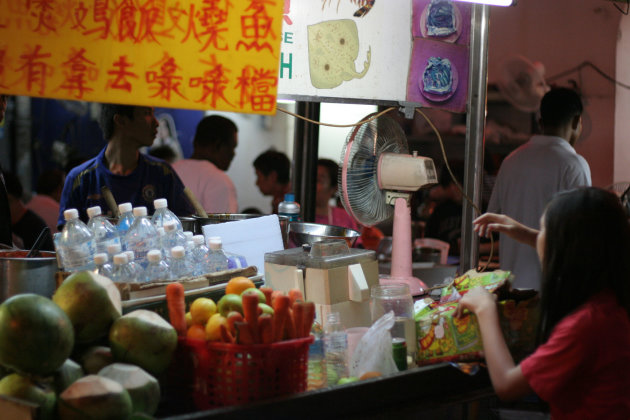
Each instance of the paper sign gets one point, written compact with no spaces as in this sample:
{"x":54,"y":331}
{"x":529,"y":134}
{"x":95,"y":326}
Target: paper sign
{"x":205,"y":54}
{"x":251,"y":238}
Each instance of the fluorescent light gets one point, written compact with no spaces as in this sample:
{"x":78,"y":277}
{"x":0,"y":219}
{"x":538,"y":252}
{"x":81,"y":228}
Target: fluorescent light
{"x":492,"y":2}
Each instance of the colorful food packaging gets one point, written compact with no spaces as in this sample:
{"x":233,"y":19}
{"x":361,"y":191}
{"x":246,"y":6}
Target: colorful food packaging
{"x":442,"y":337}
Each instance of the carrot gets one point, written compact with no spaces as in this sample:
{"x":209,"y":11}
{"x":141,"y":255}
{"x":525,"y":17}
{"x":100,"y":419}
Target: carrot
{"x":176,"y":307}
{"x":250,"y":311}
{"x":280,"y":315}
{"x":295,"y":294}
{"x":274,"y":295}
{"x":232,"y":318}
{"x":308,"y":318}
{"x":226,"y":336}
{"x":265,"y":327}
{"x":298,"y":316}
{"x":268,"y":291}
{"x":289,"y":325}
{"x":243,"y":333}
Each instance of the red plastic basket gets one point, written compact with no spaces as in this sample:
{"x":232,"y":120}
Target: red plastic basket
{"x":231,"y":374}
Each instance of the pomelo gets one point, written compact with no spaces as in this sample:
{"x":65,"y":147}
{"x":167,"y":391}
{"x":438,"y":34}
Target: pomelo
{"x":92,"y":302}
{"x":94,"y":397}
{"x":145,"y":339}
{"x":36,"y":336}
{"x":23,"y":388}
{"x":143,"y":388}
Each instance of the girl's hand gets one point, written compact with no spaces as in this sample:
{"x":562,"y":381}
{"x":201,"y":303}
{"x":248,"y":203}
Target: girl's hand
{"x":475,"y":301}
{"x":487,"y":223}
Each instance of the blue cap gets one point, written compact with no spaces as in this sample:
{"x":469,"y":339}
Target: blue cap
{"x":289,"y":197}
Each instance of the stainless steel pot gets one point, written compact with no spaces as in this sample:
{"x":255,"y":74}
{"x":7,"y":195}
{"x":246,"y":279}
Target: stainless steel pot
{"x":19,"y":274}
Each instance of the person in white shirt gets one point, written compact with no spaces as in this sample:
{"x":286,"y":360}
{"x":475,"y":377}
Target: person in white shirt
{"x":533,"y":173}
{"x":214,"y":147}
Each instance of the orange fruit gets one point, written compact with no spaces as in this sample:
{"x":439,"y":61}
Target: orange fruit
{"x":202,"y":309}
{"x":188,"y":319}
{"x":369,"y":375}
{"x":237,"y":285}
{"x":196,"y":332}
{"x":213,"y":327}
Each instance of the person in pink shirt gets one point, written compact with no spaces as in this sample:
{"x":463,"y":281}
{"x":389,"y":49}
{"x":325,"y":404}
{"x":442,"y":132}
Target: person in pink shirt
{"x":582,"y":365}
{"x":327,"y":172}
{"x":46,"y":202}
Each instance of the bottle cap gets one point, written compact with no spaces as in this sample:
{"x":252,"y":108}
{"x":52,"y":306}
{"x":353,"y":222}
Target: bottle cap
{"x":130,"y":255}
{"x":100,"y":258}
{"x":289,"y":197}
{"x":124,"y":207}
{"x":215,"y":242}
{"x":170,"y":226}
{"x":139,"y":211}
{"x":160,"y":230}
{"x":188,"y":234}
{"x":160,"y":203}
{"x":178,"y":251}
{"x":154,"y":255}
{"x":113,"y":249}
{"x":71,"y":214}
{"x":120,"y":259}
{"x":199,"y":239}
{"x":93,"y":211}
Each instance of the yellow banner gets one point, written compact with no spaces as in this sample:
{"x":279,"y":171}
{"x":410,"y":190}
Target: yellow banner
{"x":203,"y":54}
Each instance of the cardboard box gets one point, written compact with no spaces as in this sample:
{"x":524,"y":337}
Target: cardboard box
{"x":442,"y":337}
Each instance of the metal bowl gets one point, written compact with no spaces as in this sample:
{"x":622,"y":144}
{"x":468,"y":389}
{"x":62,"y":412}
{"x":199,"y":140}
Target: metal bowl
{"x":309,"y":233}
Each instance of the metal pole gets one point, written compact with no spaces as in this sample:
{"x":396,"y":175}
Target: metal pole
{"x":475,"y":123}
{"x":305,"y":154}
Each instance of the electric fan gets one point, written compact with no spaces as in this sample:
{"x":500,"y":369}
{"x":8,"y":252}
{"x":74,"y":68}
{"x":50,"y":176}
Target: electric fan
{"x":522,"y":82}
{"x":376,"y":173}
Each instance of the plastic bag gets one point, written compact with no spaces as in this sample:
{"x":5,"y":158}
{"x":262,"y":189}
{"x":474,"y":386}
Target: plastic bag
{"x":374,"y":351}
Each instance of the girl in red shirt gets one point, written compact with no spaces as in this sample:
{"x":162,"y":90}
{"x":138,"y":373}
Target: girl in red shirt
{"x":582,"y":365}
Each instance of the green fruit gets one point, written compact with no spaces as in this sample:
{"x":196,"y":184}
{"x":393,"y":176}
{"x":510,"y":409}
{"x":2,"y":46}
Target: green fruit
{"x":266,"y":308}
{"x":145,"y":339}
{"x":228,"y":303}
{"x":96,"y":358}
{"x":66,"y":375}
{"x":23,"y":388}
{"x":261,"y":296}
{"x":94,"y":397}
{"x":36,"y":336}
{"x":92,"y":302}
{"x":347,"y":380}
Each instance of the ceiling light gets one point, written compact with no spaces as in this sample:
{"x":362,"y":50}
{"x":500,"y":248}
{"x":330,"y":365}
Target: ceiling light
{"x":492,"y":2}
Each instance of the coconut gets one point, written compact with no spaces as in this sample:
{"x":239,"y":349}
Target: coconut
{"x":145,"y":339}
{"x":96,"y":358}
{"x":143,"y":388}
{"x":94,"y":397}
{"x":66,"y":375}
{"x":92,"y":303}
{"x":36,"y":336}
{"x":23,"y":388}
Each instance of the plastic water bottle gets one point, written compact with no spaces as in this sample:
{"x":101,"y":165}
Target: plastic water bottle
{"x":157,"y":269}
{"x":172,"y":238}
{"x":289,"y":208}
{"x":336,"y":348}
{"x":122,"y":271}
{"x":162,"y":214}
{"x":180,"y":267}
{"x":104,"y":232}
{"x":216,"y":257}
{"x":142,"y":236}
{"x":102,"y":266}
{"x":76,"y":243}
{"x":112,"y":250}
{"x":136,"y":269}
{"x":316,"y":364}
{"x":200,"y":254}
{"x":235,"y":260}
{"x":126,"y":219}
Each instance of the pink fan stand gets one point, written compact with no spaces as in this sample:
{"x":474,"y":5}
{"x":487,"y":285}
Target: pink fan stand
{"x":401,"y":251}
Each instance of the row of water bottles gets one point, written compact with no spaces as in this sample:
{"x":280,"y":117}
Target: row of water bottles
{"x":78,"y":243}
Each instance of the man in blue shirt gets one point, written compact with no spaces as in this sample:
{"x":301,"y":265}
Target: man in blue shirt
{"x":130,"y":175}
